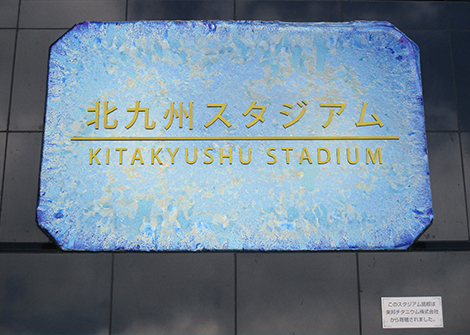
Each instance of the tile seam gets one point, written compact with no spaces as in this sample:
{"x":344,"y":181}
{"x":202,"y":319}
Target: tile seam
{"x":359,"y":293}
{"x":459,"y":131}
{"x":111,"y":296}
{"x":9,"y":112}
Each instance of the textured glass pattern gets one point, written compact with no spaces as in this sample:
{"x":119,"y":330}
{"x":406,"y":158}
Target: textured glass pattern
{"x":234,"y":135}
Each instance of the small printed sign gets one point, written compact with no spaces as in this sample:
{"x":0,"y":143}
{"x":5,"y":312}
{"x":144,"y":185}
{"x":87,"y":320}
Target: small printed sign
{"x":412,"y":312}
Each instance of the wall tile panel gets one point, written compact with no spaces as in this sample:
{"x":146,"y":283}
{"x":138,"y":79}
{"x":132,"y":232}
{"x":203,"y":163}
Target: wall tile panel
{"x":20,"y":191}
{"x":180,"y":10}
{"x":402,"y":14}
{"x":7,"y":46}
{"x":55,"y":293}
{"x":168,"y":293}
{"x":440,"y":105}
{"x":65,"y":14}
{"x":8,"y":13}
{"x":461,"y":54}
{"x":411,"y":274}
{"x":30,"y":78}
{"x":291,"y":11}
{"x":445,"y":168}
{"x":297,"y":293}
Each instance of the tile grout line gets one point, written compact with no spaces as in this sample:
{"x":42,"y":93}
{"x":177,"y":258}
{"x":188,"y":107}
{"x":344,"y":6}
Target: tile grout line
{"x":9,"y":111}
{"x":459,"y":132}
{"x":20,"y":131}
{"x":235,"y":10}
{"x":235,"y":280}
{"x":127,"y":10}
{"x":46,"y":28}
{"x":358,"y":292}
{"x":446,"y":4}
{"x":443,"y":131}
{"x":341,"y":10}
{"x":111,"y":295}
{"x":235,"y":292}
{"x":464,"y":184}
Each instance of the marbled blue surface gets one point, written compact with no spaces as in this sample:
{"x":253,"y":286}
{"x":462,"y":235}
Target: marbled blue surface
{"x":119,"y":188}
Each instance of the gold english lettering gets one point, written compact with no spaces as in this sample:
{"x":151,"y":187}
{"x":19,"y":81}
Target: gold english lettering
{"x":155,"y":156}
{"x":287,"y":153}
{"x":222,"y":156}
{"x":120,"y":154}
{"x":328,"y":157}
{"x":378,"y":153}
{"x":93,"y":155}
{"x":211,"y":158}
{"x":173,"y":155}
{"x":305,"y":155}
{"x":137,"y":156}
{"x":272,"y":156}
{"x":349,"y":158}
{"x":195,"y":156}
{"x":249,"y":157}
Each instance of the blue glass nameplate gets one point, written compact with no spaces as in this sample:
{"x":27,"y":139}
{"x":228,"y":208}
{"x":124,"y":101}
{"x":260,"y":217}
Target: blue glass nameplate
{"x":234,"y":135}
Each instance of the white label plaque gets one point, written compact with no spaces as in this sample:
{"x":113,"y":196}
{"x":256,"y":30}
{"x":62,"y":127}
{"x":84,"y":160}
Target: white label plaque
{"x":412,"y":312}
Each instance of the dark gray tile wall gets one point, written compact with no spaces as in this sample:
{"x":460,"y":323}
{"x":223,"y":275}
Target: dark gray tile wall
{"x":30,"y":79}
{"x":297,"y":293}
{"x":444,"y":274}
{"x":447,"y":188}
{"x":461,"y":53}
{"x":9,"y":13}
{"x":173,"y":294}
{"x":403,"y":14}
{"x":55,"y":293}
{"x":46,"y":291}
{"x":20,"y":189}
{"x":180,"y":10}
{"x":64,"y":14}
{"x":291,"y":11}
{"x":465,"y":138}
{"x":7,"y":43}
{"x":438,"y":81}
